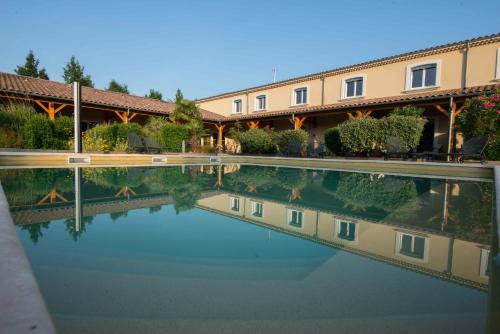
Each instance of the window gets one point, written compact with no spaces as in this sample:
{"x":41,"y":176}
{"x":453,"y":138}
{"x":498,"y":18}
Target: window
{"x":235,"y":204}
{"x":300,"y":95}
{"x":346,"y":230}
{"x":257,"y":209}
{"x":423,"y":75}
{"x":497,"y":74}
{"x":295,"y":218}
{"x":412,"y":246}
{"x":485,"y":264}
{"x":237,"y":106}
{"x":353,"y":87}
{"x":260,"y":102}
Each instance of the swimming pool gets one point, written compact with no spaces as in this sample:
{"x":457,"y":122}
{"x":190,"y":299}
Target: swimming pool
{"x":244,"y":248}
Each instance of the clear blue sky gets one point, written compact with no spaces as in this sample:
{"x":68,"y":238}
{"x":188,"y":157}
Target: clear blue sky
{"x":209,"y":47}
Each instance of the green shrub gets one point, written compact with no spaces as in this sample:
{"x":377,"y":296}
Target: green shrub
{"x":109,"y":137}
{"x":365,"y":135}
{"x":409,"y":110}
{"x":256,"y":141}
{"x":332,"y":140}
{"x":154,"y":126}
{"x":172,"y":135}
{"x":38,"y":132}
{"x":285,"y":138}
{"x":14,"y":115}
{"x":63,"y":132}
{"x":493,"y":149}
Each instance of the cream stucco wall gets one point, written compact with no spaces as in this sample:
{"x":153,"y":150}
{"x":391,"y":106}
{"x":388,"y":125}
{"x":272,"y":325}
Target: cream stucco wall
{"x":382,"y":80}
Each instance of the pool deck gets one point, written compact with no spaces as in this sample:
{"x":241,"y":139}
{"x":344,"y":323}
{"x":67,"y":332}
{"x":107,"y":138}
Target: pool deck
{"x":54,"y":159}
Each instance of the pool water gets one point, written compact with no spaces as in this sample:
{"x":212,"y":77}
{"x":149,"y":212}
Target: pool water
{"x":252,"y":249}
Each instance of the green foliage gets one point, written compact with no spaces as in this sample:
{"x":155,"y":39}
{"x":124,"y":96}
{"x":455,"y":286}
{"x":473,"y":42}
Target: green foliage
{"x":285,"y":138}
{"x":256,"y":141}
{"x":30,"y":68}
{"x":178,"y":96}
{"x":14,"y":115}
{"x":172,"y":135}
{"x":73,"y":71}
{"x":185,"y":111}
{"x":154,"y":94}
{"x":368,"y":134}
{"x":332,"y":140}
{"x":481,"y":117}
{"x":409,"y":110}
{"x":38,"y":132}
{"x":114,"y":86}
{"x":109,"y":137}
{"x":153,"y":128}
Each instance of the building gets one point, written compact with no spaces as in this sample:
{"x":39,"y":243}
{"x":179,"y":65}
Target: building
{"x":438,"y":79}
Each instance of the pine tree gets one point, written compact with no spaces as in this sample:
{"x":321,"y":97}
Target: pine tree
{"x":73,"y":71}
{"x":154,"y":94}
{"x":30,"y":68}
{"x":114,"y":86}
{"x":178,"y":96}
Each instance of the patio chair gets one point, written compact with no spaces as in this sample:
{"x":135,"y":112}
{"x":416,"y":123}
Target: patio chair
{"x":322,"y":150}
{"x":294,"y":148}
{"x":396,"y":148}
{"x":135,"y":142}
{"x":474,"y":148}
{"x":311,"y":150}
{"x":152,"y":145}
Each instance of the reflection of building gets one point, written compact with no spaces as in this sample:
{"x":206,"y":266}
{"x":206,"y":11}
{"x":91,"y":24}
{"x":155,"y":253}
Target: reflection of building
{"x":439,"y":255}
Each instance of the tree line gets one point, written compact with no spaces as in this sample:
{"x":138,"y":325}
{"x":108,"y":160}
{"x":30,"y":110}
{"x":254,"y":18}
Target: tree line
{"x":72,"y":72}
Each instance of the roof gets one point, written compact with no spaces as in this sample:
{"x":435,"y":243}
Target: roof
{"x":372,"y":63}
{"x":399,"y":99}
{"x":34,"y":87}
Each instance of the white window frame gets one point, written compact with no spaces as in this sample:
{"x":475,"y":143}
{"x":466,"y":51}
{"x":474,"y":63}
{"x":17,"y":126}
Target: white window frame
{"x":399,"y":243}
{"x":254,"y":206}
{"x":289,"y":218}
{"x":338,"y":222}
{"x":343,"y":87}
{"x":483,"y":266}
{"x":409,"y":74}
{"x":293,"y":99}
{"x":232,"y":200}
{"x":256,"y":102}
{"x":234,"y":106}
{"x":497,"y":74}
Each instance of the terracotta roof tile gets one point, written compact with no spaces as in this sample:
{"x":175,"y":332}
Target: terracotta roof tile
{"x":33,"y":87}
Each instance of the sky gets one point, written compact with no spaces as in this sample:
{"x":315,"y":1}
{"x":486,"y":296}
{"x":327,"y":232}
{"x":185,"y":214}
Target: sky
{"x":211,"y":47}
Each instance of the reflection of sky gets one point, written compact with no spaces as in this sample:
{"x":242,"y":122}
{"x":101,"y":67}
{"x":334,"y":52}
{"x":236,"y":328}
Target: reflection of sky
{"x":199,"y":266}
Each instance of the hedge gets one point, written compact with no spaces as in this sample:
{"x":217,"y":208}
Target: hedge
{"x":332,"y":140}
{"x":172,"y":135}
{"x":109,"y":137}
{"x":368,"y":134}
{"x":287,"y":137}
{"x":256,"y":141}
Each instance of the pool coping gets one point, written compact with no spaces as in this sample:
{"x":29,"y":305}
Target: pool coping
{"x":23,"y":308}
{"x":44,"y":159}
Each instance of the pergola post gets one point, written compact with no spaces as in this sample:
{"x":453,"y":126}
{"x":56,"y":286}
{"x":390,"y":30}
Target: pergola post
{"x":297,"y":121}
{"x":76,"y":116}
{"x":220,"y":129}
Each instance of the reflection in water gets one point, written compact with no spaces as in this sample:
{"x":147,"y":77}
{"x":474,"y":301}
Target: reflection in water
{"x":204,"y":223}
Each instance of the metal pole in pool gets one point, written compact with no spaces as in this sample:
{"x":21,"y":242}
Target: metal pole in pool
{"x":76,"y":115}
{"x":78,"y":199}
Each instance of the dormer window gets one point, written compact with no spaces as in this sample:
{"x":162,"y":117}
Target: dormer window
{"x":423,"y":75}
{"x":237,"y":106}
{"x":260,"y":102}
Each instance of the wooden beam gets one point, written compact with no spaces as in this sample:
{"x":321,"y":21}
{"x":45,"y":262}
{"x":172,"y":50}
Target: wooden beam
{"x":298,"y":121}
{"x":442,"y":110}
{"x":220,"y":129}
{"x":121,"y":115}
{"x":132,"y":116}
{"x":358,"y":114}
{"x":253,"y":124}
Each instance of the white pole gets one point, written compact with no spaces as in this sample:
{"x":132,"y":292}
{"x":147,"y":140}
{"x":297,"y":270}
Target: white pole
{"x":76,"y":117}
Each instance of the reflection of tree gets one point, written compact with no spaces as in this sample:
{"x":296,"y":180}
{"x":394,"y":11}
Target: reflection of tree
{"x":294,"y":180}
{"x":251,"y":178}
{"x":116,"y":215}
{"x":114,"y":178}
{"x":331,"y":181}
{"x":71,"y":229}
{"x":155,"y":209}
{"x":388,"y":193}
{"x":470,"y":213}
{"x":35,"y":230}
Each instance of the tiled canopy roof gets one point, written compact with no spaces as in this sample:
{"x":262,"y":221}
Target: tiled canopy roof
{"x":33,"y":87}
{"x":367,"y":103}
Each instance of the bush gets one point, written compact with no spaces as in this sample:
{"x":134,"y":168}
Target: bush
{"x":14,"y":116}
{"x":38,"y":132}
{"x":109,"y":137}
{"x":154,"y":127}
{"x":332,"y":140}
{"x":63,"y":132}
{"x":256,"y":141}
{"x":365,"y":135}
{"x":409,"y":110}
{"x":285,"y":138}
{"x":172,"y":135}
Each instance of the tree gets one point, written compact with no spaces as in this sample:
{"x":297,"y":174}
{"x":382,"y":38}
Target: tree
{"x":185,"y":110}
{"x":30,"y":68}
{"x":154,"y":94}
{"x":178,"y":96}
{"x":114,"y":86}
{"x":73,"y":71}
